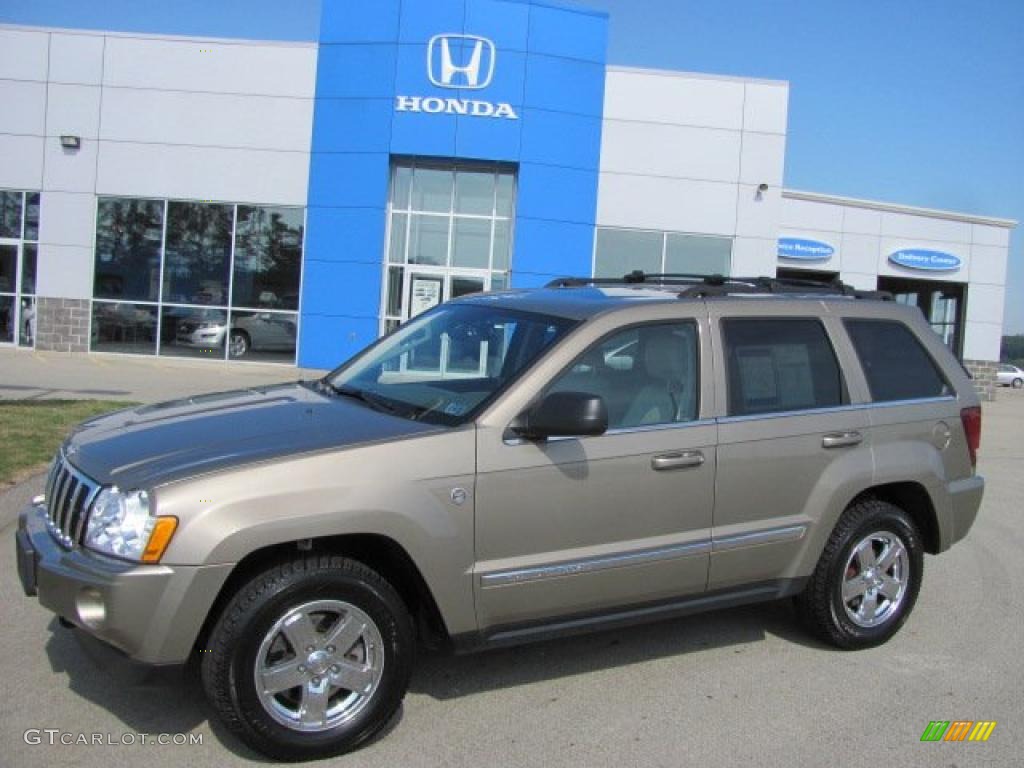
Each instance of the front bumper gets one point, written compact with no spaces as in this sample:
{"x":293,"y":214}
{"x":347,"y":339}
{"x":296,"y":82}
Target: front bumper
{"x":153,"y":613}
{"x":200,"y":339}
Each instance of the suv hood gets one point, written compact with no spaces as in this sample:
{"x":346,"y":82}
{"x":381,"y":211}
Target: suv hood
{"x":157,"y":444}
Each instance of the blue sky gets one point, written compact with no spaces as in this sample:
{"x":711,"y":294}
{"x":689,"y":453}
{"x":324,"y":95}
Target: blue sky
{"x":914,"y":101}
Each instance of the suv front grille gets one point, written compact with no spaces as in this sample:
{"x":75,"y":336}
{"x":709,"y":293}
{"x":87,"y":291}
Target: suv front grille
{"x":68,"y":496}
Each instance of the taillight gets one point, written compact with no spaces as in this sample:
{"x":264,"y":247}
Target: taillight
{"x":971,"y":418}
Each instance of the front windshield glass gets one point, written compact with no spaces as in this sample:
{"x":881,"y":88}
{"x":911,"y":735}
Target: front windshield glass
{"x":448,"y":363}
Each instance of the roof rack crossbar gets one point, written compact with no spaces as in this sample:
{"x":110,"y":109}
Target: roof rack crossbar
{"x":704,"y":286}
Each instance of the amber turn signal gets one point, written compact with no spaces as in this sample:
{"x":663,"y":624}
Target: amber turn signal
{"x":159,"y":539}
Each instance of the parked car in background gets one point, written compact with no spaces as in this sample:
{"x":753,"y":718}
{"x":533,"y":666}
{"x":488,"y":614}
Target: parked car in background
{"x":267,"y":331}
{"x":1010,"y":376}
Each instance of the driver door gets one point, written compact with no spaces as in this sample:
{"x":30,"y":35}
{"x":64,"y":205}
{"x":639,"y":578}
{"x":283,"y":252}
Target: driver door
{"x":585,"y":526}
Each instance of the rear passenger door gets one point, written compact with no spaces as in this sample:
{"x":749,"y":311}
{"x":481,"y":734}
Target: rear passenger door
{"x":791,"y":436}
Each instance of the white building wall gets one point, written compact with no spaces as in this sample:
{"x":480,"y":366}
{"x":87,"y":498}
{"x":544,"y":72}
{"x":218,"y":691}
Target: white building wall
{"x":864,"y":234}
{"x":183,"y":118}
{"x":686,"y":153}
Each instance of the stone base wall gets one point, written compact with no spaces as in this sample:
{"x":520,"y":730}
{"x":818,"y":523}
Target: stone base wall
{"x":62,"y":325}
{"x":985,"y":378}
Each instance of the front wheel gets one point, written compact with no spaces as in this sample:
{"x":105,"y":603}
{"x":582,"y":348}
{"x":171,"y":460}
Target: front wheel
{"x":310,"y":659}
{"x":238,"y":343}
{"x":1018,"y":383}
{"x":867,"y":580}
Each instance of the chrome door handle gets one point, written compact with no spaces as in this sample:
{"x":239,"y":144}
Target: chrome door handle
{"x":842,"y":440}
{"x":687,"y":460}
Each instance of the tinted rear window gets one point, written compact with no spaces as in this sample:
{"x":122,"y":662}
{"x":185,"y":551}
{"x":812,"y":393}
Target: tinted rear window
{"x":780,"y":364}
{"x":896,"y":364}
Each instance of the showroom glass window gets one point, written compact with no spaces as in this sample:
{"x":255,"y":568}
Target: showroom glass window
{"x":197,"y":279}
{"x":449,"y":234}
{"x":618,"y":252}
{"x":19,"y":249}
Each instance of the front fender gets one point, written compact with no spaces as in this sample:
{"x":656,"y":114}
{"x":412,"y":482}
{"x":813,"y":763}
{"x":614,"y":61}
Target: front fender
{"x":401,"y":491}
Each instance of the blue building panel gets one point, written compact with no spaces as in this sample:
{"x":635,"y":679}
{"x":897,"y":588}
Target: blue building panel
{"x":557,"y":193}
{"x":421,"y":20}
{"x":345,"y":234}
{"x":481,"y":138}
{"x":327,"y":292}
{"x":327,"y":341}
{"x":506,"y":23}
{"x":348,"y":180}
{"x":353,"y":125}
{"x":354,"y":21}
{"x":423,"y":134}
{"x":376,"y":70}
{"x":560,"y":138}
{"x":362,"y":71}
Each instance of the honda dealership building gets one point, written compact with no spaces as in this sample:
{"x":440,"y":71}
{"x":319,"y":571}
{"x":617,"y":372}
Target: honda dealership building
{"x":271,"y":201}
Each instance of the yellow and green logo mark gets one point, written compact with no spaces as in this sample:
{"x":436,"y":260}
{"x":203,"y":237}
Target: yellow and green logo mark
{"x":958,"y":730}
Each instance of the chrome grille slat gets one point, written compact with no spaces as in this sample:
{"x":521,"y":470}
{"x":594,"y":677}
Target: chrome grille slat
{"x":64,"y":510}
{"x":62,"y":493}
{"x":79,"y":528}
{"x":74,"y":509}
{"x":69,"y":495}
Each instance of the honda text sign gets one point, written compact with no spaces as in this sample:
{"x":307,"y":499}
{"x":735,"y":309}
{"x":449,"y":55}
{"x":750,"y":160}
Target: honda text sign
{"x":464,"y":63}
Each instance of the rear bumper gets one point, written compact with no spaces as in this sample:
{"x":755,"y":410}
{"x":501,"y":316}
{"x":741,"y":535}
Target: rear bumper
{"x":152,"y":613}
{"x":965,"y":500}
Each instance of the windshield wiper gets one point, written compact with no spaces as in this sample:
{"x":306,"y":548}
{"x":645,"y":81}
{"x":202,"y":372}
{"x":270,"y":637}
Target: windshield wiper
{"x":376,"y":402}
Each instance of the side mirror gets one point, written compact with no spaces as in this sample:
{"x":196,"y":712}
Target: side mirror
{"x":563,"y":414}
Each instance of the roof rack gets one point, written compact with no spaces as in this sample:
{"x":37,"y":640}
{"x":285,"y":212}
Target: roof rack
{"x":705,"y":286}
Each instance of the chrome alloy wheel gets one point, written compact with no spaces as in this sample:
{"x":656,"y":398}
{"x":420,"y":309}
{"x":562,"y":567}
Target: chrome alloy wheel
{"x":319,"y":665}
{"x":875,"y":579}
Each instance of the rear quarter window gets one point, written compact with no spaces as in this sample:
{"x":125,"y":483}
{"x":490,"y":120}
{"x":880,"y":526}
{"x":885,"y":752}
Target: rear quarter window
{"x":895,"y":363}
{"x":780,"y":364}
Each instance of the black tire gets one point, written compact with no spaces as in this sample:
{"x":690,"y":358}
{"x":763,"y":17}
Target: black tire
{"x":1018,"y":383}
{"x":238,"y":344}
{"x":234,"y":647}
{"x":821,"y":604}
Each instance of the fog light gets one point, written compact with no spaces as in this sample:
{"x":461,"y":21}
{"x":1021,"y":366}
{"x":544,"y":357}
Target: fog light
{"x":91,"y":610}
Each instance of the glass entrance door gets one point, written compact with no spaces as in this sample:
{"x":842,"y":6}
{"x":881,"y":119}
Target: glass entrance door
{"x":446,"y":356}
{"x":449,"y":234}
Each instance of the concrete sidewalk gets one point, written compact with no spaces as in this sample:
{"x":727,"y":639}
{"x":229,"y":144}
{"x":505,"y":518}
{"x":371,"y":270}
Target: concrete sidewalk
{"x":28,"y":375}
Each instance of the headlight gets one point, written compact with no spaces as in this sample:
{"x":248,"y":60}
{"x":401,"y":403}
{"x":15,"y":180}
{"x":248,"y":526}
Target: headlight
{"x":122,"y":525}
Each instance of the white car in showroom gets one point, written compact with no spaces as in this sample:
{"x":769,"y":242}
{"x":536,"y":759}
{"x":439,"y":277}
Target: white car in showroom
{"x":1010,"y":376}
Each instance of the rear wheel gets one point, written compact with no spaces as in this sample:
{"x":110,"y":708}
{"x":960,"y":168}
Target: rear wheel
{"x":867,"y":580}
{"x":310,"y":659}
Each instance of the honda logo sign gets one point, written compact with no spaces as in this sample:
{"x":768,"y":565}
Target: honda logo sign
{"x":464,"y":63}
{"x":461,"y":61}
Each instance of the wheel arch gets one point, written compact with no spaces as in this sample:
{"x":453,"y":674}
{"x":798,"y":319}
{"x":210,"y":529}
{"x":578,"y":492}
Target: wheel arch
{"x":381,"y":553}
{"x":914,"y":499}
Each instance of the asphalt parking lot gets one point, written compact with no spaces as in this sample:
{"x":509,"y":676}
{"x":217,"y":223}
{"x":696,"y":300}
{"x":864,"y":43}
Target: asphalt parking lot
{"x":743,"y":686}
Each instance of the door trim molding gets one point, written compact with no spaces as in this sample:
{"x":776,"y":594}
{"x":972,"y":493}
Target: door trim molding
{"x":767,"y":536}
{"x":593,"y":564}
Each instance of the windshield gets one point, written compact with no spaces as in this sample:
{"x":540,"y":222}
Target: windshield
{"x":448,"y":363}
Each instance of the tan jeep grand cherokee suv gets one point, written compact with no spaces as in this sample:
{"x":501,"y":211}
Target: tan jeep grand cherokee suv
{"x":508,"y":467}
